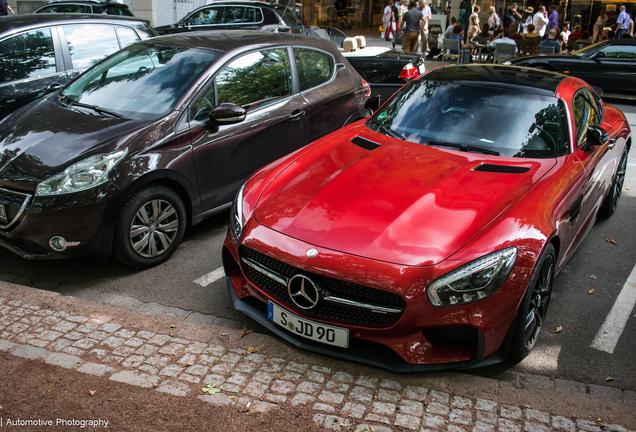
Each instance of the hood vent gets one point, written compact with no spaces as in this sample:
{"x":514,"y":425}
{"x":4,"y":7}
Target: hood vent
{"x":365,"y":143}
{"x":505,"y":169}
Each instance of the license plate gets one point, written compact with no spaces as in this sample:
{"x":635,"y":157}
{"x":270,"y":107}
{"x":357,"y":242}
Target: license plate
{"x":319,"y":332}
{"x":421,"y":68}
{"x":3,"y":214}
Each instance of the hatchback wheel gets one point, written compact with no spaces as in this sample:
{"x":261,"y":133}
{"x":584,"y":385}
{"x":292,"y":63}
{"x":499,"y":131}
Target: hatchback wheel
{"x":150,"y":227}
{"x":534,"y":307}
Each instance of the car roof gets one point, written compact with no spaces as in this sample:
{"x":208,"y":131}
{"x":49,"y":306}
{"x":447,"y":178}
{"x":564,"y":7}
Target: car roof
{"x":13,"y":22}
{"x":229,"y":40}
{"x":246,"y":3}
{"x":621,"y":41}
{"x":527,"y":79}
{"x":91,"y":2}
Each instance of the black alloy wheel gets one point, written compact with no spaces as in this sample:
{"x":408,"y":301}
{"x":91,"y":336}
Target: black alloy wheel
{"x":614,"y":196}
{"x":150,"y":227}
{"x":534,"y":307}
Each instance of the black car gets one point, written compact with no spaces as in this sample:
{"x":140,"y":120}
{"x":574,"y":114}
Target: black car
{"x":161,"y":135}
{"x":42,"y":52}
{"x":236,"y":15}
{"x":85,"y":7}
{"x":609,"y":65}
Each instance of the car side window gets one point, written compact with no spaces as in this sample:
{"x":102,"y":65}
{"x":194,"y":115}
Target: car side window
{"x":255,"y":78}
{"x":619,"y":52}
{"x":203,"y":17}
{"x":27,"y":55}
{"x":314,"y":67}
{"x":126,"y":35}
{"x":90,"y":43}
{"x":585,"y":115}
{"x":110,"y":10}
{"x":233,"y":14}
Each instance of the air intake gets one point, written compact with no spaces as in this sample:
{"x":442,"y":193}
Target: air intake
{"x":365,"y":143}
{"x":505,"y":169}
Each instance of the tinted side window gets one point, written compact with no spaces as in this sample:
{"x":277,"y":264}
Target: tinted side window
{"x":203,"y":17}
{"x":260,"y":76}
{"x":314,"y":67}
{"x":233,"y":14}
{"x":252,"y":15}
{"x":585,"y":115}
{"x":27,"y":55}
{"x":88,"y":44}
{"x":620,"y":51}
{"x":110,"y":10}
{"x":127,"y":36}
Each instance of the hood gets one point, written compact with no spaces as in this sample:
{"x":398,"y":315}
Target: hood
{"x":401,"y":202}
{"x":47,"y":137}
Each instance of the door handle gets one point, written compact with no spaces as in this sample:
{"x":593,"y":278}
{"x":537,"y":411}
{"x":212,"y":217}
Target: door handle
{"x":54,"y":86}
{"x":296,"y":115}
{"x":612,"y":143}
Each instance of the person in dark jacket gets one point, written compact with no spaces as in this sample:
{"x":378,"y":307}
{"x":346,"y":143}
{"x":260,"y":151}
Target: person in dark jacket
{"x":511,"y":16}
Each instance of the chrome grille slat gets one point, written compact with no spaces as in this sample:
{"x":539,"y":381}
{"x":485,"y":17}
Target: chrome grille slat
{"x":11,"y":198}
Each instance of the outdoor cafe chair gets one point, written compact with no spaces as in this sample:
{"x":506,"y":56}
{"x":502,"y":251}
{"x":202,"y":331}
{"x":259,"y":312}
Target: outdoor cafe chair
{"x":543,"y":49}
{"x":450,"y":44}
{"x":504,"y":52}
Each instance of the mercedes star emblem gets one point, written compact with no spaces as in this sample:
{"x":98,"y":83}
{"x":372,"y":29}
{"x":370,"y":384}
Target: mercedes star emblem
{"x":312,"y":252}
{"x":303,"y":291}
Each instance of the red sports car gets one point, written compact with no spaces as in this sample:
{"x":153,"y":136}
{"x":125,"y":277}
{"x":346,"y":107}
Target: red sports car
{"x":428,"y":235}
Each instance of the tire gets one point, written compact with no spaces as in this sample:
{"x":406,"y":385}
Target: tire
{"x":132,"y":245}
{"x":534,"y":307}
{"x":614,"y":196}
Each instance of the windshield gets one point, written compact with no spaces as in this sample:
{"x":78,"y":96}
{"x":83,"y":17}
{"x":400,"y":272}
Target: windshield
{"x":476,"y":117}
{"x":142,"y":81}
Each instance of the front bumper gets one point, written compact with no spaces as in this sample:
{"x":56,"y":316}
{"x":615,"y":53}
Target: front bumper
{"x":87,"y":217}
{"x":401,"y":347}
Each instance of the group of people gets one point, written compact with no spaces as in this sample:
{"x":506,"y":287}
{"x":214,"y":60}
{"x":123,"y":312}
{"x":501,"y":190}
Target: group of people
{"x":623,"y":26}
{"x":407,"y":20}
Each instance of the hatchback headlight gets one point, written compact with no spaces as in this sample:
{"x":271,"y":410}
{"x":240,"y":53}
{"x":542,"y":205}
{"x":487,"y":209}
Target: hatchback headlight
{"x":236,"y":215}
{"x":82,"y":175}
{"x":473,"y":282}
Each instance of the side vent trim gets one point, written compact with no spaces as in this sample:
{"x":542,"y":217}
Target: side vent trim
{"x":576,"y":208}
{"x":365,"y":143}
{"x":504,"y":169}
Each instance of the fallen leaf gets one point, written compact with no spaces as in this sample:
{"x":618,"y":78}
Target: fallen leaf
{"x":170,"y":334}
{"x":574,"y":415}
{"x":231,"y":397}
{"x":245,"y":332}
{"x":590,"y":291}
{"x":608,"y":379}
{"x":223,"y":334}
{"x":172,"y":326}
{"x":599,"y":420}
{"x":627,"y":188}
{"x":155,"y":385}
{"x":92,"y":392}
{"x":189,"y":364}
{"x":526,"y":406}
{"x":592,"y":277}
{"x":558,"y":330}
{"x":343,"y":425}
{"x":609,"y":240}
{"x":249,"y":390}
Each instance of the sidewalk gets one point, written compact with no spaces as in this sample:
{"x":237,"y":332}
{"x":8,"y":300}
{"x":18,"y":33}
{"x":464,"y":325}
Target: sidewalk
{"x":257,"y":373}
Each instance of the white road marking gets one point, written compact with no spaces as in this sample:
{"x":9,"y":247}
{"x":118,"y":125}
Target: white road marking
{"x":211,"y":277}
{"x":607,"y":337}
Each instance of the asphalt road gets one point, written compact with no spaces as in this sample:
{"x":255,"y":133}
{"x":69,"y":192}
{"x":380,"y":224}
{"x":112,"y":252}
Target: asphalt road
{"x":567,"y":354}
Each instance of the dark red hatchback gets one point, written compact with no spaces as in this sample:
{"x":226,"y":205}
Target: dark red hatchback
{"x":161,"y":135}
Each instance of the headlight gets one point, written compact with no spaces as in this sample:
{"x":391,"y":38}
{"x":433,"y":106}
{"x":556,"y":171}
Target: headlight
{"x":236,"y":215}
{"x":473,"y":282}
{"x":83,"y":175}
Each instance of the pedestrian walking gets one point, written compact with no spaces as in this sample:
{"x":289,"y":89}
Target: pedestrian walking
{"x":411,"y":24}
{"x":494,"y":22}
{"x":5,"y":8}
{"x":426,"y":17}
{"x":540,"y":21}
{"x":622,"y":23}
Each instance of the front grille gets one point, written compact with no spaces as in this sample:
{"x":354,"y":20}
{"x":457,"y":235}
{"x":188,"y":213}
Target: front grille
{"x":13,"y":203}
{"x":326,"y":310}
{"x":459,"y":337}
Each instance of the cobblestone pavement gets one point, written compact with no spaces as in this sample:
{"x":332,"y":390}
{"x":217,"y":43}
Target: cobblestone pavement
{"x":98,"y":343}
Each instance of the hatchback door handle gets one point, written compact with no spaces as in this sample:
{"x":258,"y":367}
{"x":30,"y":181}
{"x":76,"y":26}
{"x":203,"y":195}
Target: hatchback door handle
{"x":612,"y":143}
{"x":296,"y":115}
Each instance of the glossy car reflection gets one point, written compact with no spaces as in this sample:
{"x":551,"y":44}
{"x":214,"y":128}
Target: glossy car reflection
{"x":161,"y":135}
{"x":85,"y":7}
{"x":428,"y":236}
{"x":607,"y":65}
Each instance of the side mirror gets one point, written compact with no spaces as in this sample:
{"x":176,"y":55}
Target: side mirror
{"x":373,"y":103}
{"x":597,"y":55}
{"x":596,"y":136}
{"x":227,"y":114}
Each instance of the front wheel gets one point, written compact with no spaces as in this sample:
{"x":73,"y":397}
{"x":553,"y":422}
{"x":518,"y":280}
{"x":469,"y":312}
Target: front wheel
{"x":150,"y":227}
{"x":534,"y":307}
{"x":611,"y":201}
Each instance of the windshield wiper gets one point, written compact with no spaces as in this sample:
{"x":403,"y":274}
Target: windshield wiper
{"x":464,"y":147}
{"x":387,"y":130}
{"x":71,"y":102}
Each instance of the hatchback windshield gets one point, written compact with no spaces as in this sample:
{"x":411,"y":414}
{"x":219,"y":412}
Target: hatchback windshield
{"x":476,"y":117}
{"x":142,"y":81}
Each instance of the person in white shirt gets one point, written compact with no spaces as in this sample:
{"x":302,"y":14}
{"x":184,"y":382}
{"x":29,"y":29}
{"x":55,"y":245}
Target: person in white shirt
{"x":529,"y":18}
{"x":494,"y":22}
{"x":503,"y":39}
{"x":540,"y":21}
{"x":565,"y":34}
{"x":388,"y":15}
{"x":426,"y":16}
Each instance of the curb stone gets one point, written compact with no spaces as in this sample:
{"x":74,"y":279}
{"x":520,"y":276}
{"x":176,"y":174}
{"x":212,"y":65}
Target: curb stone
{"x":92,"y":341}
